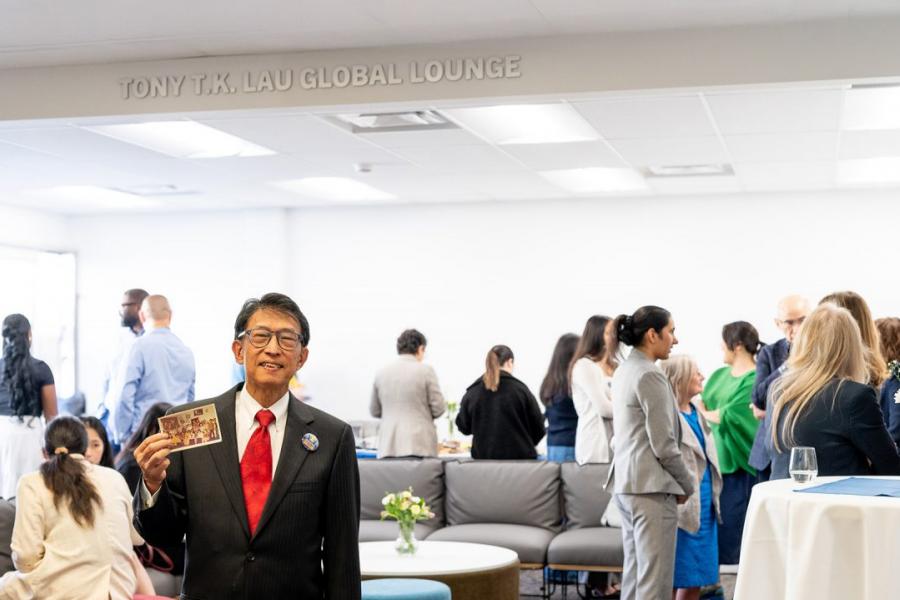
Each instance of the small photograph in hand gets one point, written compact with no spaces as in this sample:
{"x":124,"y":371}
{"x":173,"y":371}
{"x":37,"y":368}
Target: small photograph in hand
{"x":192,"y":428}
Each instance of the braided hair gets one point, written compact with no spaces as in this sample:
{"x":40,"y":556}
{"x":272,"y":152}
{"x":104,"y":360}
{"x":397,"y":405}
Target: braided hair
{"x":16,"y":374}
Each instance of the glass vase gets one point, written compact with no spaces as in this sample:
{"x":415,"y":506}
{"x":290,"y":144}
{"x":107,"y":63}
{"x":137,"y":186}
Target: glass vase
{"x":406,"y":544}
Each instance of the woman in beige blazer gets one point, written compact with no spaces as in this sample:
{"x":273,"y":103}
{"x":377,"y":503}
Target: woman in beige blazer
{"x":73,"y":536}
{"x":696,"y":549}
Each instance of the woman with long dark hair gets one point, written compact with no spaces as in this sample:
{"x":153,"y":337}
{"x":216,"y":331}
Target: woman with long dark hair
{"x":149,"y":425}
{"x":591,"y":376}
{"x":649,"y":474}
{"x":726,"y":396}
{"x":27,"y":393}
{"x":98,"y":452}
{"x":500,"y":412}
{"x":73,"y":534}
{"x":562,"y":419}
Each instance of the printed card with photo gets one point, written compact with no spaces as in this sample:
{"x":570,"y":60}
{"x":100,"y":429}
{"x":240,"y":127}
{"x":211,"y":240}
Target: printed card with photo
{"x":192,"y":428}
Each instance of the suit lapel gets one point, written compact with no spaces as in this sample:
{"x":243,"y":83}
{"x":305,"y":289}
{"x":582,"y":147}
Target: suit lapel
{"x":225,"y":456}
{"x":292,"y":457}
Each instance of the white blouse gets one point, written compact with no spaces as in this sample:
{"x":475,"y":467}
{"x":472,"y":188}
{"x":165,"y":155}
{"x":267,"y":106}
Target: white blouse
{"x":592,"y":396}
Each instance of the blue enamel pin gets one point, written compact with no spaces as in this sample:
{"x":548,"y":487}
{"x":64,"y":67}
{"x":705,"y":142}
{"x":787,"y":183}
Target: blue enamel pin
{"x":310,"y":442}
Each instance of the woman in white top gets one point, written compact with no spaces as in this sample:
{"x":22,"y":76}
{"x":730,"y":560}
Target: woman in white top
{"x":73,"y":536}
{"x":591,"y":379}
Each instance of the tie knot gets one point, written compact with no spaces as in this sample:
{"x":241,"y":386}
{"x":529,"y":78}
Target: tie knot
{"x":265,"y":417}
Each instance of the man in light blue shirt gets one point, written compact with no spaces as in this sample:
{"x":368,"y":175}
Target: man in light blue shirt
{"x":160,"y":368}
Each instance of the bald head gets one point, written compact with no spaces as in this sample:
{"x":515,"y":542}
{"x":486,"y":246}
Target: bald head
{"x":792,"y":310}
{"x":155,"y":311}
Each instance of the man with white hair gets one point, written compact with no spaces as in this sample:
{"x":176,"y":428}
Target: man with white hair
{"x":770,"y":364}
{"x":160,"y":368}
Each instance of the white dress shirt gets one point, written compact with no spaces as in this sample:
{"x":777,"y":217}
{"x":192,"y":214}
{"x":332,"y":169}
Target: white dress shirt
{"x":592,"y":397}
{"x":245,"y":423}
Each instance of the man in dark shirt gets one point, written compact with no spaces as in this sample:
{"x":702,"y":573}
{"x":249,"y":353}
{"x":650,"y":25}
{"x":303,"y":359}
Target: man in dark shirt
{"x":770,"y":364}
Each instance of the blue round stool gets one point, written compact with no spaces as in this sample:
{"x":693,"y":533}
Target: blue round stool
{"x":404,"y":589}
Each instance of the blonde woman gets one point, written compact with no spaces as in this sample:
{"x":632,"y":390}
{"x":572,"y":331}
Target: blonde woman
{"x":823,"y":401}
{"x":876,"y":368}
{"x":696,"y":548}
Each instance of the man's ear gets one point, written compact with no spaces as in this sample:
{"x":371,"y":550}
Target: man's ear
{"x":301,"y":360}
{"x":238,"y":349}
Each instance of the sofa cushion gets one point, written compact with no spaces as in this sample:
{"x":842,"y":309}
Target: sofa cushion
{"x":584,"y":495}
{"x":530,"y":543}
{"x":386,"y":475}
{"x":7,"y":519}
{"x":587,"y":547}
{"x":388,"y":530}
{"x":517,"y":492}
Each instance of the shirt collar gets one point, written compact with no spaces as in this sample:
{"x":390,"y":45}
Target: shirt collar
{"x":248,"y":406}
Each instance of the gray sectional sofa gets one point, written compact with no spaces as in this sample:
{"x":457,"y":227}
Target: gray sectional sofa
{"x":550,"y":514}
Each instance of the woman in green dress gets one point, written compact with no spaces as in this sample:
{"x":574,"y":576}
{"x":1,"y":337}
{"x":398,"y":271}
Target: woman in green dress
{"x":727,"y":400}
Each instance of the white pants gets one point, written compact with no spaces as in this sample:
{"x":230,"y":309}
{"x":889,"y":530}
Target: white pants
{"x":21,"y":451}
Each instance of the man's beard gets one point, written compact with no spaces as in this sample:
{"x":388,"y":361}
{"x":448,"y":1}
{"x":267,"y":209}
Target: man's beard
{"x":130,"y":321}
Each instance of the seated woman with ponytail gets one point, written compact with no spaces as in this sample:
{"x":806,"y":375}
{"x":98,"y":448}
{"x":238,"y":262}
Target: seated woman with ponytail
{"x":649,"y":473}
{"x":500,"y":412}
{"x":73,"y":536}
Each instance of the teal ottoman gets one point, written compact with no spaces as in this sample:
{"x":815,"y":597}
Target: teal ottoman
{"x":404,"y":589}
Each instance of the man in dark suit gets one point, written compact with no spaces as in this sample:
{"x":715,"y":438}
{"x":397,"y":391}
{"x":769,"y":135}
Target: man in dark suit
{"x":273,"y":510}
{"x":792,"y":311}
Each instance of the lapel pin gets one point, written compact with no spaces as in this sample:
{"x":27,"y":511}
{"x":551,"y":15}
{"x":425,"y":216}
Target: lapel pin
{"x":310,"y":442}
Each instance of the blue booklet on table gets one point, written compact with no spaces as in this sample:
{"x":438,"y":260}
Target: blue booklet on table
{"x":857,"y":486}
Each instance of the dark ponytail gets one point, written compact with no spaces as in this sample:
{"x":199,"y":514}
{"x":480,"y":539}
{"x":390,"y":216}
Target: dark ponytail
{"x":496,"y":356}
{"x":741,"y":333}
{"x":16,"y":368}
{"x":631,"y":329}
{"x":63,"y":475}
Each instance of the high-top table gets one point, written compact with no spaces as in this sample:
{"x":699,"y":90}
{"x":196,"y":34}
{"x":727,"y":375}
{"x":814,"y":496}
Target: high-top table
{"x":473,"y":571}
{"x":818,"y":546}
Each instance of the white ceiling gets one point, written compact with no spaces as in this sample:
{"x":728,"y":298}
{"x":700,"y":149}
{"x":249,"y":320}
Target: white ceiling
{"x":775,"y":139}
{"x":49,"y":32}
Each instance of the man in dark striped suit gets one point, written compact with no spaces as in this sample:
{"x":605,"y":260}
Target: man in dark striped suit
{"x":273,"y":510}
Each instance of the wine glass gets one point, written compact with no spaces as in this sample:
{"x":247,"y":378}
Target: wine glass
{"x":804,"y":467}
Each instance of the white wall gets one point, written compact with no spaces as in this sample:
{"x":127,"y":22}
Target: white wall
{"x":25,"y":228}
{"x":206,"y":264}
{"x":470,"y":276}
{"x":473,"y":275}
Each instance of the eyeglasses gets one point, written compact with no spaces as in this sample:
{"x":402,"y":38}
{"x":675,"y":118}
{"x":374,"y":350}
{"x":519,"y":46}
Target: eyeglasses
{"x":260,"y":338}
{"x":791,"y":322}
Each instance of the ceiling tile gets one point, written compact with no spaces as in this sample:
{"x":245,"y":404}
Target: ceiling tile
{"x":427,"y":137}
{"x":776,"y":176}
{"x":575,"y":155}
{"x":869,"y":144}
{"x":777,"y":147}
{"x":671,"y":151}
{"x":443,"y":159}
{"x":694,"y":185}
{"x":776,"y":111}
{"x":293,"y":134}
{"x":647,"y":117}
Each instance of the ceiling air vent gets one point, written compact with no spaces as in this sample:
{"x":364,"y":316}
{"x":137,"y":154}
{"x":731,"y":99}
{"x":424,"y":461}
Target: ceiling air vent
{"x":707,"y":170}
{"x":417,"y":120}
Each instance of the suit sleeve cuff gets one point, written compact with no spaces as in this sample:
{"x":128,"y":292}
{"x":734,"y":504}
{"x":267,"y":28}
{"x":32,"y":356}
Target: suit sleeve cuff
{"x":148,"y":500}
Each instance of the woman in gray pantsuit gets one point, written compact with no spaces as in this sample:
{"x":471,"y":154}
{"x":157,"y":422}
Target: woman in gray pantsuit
{"x":648,"y":474}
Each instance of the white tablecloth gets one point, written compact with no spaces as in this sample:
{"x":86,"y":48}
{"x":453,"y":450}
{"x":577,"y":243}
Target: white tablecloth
{"x":819,"y":546}
{"x":379,"y":559}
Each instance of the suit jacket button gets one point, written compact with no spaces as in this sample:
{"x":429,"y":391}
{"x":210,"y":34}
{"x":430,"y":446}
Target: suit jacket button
{"x":250,"y":557}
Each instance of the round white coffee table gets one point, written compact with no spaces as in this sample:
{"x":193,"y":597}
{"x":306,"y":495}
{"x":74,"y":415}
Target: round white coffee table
{"x":471,"y":570}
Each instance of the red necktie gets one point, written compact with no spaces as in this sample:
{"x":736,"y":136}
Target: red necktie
{"x":256,"y":469}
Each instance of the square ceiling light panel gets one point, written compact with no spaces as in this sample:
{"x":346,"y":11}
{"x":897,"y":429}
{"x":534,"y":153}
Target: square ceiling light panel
{"x":525,"y":123}
{"x":182,"y":139}
{"x":596,"y":180}
{"x":341,"y":189}
{"x":871,"y":107}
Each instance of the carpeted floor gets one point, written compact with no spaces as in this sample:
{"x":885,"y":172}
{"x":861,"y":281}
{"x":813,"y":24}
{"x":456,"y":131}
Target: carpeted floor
{"x":530,"y":583}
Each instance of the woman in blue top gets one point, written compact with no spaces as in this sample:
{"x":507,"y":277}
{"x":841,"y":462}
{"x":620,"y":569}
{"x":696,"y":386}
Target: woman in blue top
{"x":696,"y":549}
{"x":562,"y":419}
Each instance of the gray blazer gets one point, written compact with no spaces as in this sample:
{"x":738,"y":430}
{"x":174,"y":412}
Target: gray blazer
{"x":647,"y":432}
{"x":407,"y":398}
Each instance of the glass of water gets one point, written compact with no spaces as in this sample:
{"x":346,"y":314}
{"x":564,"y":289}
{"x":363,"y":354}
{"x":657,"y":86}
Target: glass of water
{"x":804,"y":467}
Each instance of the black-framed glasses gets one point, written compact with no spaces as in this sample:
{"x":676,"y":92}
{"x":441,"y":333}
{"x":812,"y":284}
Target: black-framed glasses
{"x":260,"y":337}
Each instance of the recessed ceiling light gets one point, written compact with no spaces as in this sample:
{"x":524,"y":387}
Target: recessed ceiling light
{"x":869,"y":171}
{"x":92,"y":195}
{"x":708,"y":170}
{"x":871,"y":107}
{"x":416,"y":120}
{"x":182,"y":139}
{"x":594,"y":180}
{"x":525,"y":123}
{"x":334,"y":188}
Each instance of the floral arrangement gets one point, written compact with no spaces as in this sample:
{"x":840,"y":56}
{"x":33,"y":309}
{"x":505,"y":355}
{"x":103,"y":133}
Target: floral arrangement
{"x":406,"y":509}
